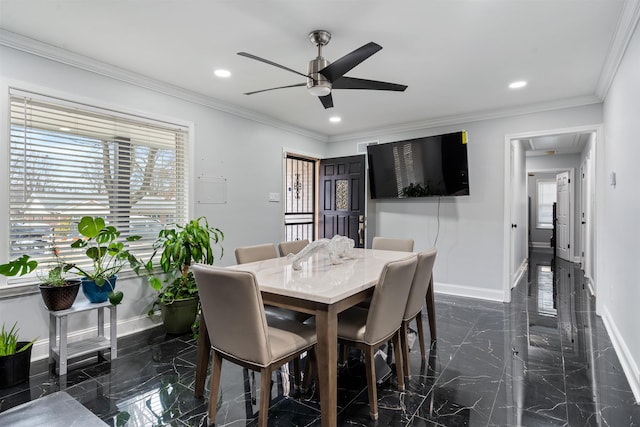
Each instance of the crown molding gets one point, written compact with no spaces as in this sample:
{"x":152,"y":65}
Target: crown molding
{"x":44,"y":50}
{"x":628,"y":20}
{"x":627,"y":24}
{"x":470,"y":117}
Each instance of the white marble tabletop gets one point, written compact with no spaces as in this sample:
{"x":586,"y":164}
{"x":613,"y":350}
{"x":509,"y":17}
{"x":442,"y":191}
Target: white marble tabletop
{"x":319,"y":280}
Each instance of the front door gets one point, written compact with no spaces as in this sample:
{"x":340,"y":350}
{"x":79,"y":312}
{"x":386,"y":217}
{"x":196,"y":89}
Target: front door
{"x":342,"y":198}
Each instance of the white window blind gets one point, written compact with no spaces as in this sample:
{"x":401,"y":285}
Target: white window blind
{"x":70,"y":160}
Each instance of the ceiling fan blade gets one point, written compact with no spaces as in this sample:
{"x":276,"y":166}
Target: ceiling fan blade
{"x":353,"y":83}
{"x":326,"y":100}
{"x":342,"y":66}
{"x":274,"y":88}
{"x":266,"y":61}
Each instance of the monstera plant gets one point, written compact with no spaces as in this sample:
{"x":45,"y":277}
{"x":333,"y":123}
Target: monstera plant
{"x":108,"y":254}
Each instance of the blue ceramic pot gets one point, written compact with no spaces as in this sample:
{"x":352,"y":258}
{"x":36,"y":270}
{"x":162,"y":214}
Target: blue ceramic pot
{"x":95,"y":293}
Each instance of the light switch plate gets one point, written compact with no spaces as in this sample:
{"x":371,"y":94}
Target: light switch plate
{"x":274,"y":197}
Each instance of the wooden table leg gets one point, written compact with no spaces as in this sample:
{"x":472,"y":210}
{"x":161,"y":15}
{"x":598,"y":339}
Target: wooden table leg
{"x":327,"y":357}
{"x":202,"y":359}
{"x":431,"y":311}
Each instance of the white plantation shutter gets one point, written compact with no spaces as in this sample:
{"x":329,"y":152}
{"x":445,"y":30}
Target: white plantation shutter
{"x":69,"y":160}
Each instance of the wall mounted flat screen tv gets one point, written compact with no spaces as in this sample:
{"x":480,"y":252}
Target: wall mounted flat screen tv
{"x":420,"y":167}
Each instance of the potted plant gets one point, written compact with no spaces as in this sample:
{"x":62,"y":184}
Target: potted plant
{"x":57,"y":291}
{"x":15,"y":358}
{"x":108,"y":256}
{"x":180,"y":247}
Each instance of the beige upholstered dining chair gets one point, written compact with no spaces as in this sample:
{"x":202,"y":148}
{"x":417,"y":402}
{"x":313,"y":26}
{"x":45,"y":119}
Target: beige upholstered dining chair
{"x":240,"y":332}
{"x":389,"y":244}
{"x":254,"y":253}
{"x":368,"y":329}
{"x":422,"y":281}
{"x":245,"y":254}
{"x":292,"y":247}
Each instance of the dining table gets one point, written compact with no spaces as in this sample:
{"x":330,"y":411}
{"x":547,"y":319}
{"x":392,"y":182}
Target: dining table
{"x":320,"y":288}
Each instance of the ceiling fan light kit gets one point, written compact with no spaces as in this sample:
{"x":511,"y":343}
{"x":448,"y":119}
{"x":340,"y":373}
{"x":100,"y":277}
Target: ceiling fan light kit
{"x":324,"y":76}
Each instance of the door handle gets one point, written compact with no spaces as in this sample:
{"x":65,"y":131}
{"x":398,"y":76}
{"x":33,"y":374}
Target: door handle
{"x":361,"y":230}
{"x":514,"y":225}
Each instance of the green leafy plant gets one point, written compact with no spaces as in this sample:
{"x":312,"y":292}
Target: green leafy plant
{"x":416,"y":190}
{"x":19,"y":267}
{"x":181,"y":246}
{"x":9,"y":341}
{"x":106,"y":252}
{"x":25,"y":265}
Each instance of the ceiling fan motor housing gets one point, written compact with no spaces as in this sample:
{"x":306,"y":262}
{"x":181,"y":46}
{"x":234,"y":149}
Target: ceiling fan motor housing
{"x":317,"y":84}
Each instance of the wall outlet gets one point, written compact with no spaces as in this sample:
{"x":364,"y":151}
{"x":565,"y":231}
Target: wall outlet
{"x":274,"y":197}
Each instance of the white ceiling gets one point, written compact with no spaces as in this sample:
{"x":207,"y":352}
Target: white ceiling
{"x":457,"y":57}
{"x":556,"y":144}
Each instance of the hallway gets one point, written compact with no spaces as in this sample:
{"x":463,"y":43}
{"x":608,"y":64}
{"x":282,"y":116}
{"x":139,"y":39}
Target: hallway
{"x":545,"y":359}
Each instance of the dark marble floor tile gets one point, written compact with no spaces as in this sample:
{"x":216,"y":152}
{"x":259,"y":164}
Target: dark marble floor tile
{"x":544,"y":359}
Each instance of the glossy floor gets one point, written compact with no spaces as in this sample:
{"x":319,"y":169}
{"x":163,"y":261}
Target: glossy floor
{"x":545,"y":359}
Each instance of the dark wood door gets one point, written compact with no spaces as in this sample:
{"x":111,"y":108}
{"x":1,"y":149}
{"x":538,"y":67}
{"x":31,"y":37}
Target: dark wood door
{"x":342,"y":198}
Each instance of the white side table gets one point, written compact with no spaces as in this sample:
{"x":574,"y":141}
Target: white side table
{"x":63,"y":351}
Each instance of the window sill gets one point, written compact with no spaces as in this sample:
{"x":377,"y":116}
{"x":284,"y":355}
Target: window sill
{"x":12,"y":291}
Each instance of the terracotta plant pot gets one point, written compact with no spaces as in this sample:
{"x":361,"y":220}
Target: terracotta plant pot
{"x":58,"y":298}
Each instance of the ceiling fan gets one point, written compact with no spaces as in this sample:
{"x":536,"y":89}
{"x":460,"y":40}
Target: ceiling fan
{"x":323,"y":76}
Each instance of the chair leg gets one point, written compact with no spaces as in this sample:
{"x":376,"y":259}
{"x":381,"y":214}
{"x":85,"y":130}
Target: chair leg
{"x":309,"y":370}
{"x":398,"y":359}
{"x":265,"y":396}
{"x":370,"y":367}
{"x":420,"y":326}
{"x":404,"y":331}
{"x":431,"y":310}
{"x":214,"y":391}
{"x":344,"y":353}
{"x":296,"y":373}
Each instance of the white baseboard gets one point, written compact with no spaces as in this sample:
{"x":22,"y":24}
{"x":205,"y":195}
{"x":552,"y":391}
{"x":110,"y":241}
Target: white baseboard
{"x":468,"y":291}
{"x":629,"y":366}
{"x":590,"y":286}
{"x":125,"y":327}
{"x":522,"y":269}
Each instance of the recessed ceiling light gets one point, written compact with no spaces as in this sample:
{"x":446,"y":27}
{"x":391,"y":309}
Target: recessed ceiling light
{"x":335,"y":119}
{"x":518,"y":84}
{"x":222,"y":73}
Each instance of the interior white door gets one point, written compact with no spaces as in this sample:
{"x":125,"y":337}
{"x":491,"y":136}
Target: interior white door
{"x":583,"y":214}
{"x":513,"y":235}
{"x":563,"y":217}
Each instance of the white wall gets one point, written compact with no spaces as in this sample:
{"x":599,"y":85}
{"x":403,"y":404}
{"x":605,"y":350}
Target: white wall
{"x":471,"y":252}
{"x":618,"y":211}
{"x":248,"y":154}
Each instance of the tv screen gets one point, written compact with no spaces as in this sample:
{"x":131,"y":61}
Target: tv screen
{"x":420,"y":167}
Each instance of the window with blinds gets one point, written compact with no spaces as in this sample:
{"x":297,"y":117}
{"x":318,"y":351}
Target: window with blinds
{"x":68,"y":161}
{"x":546,"y":198}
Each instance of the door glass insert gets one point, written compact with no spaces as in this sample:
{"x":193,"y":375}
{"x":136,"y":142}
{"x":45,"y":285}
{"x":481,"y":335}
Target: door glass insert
{"x":342,"y":195}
